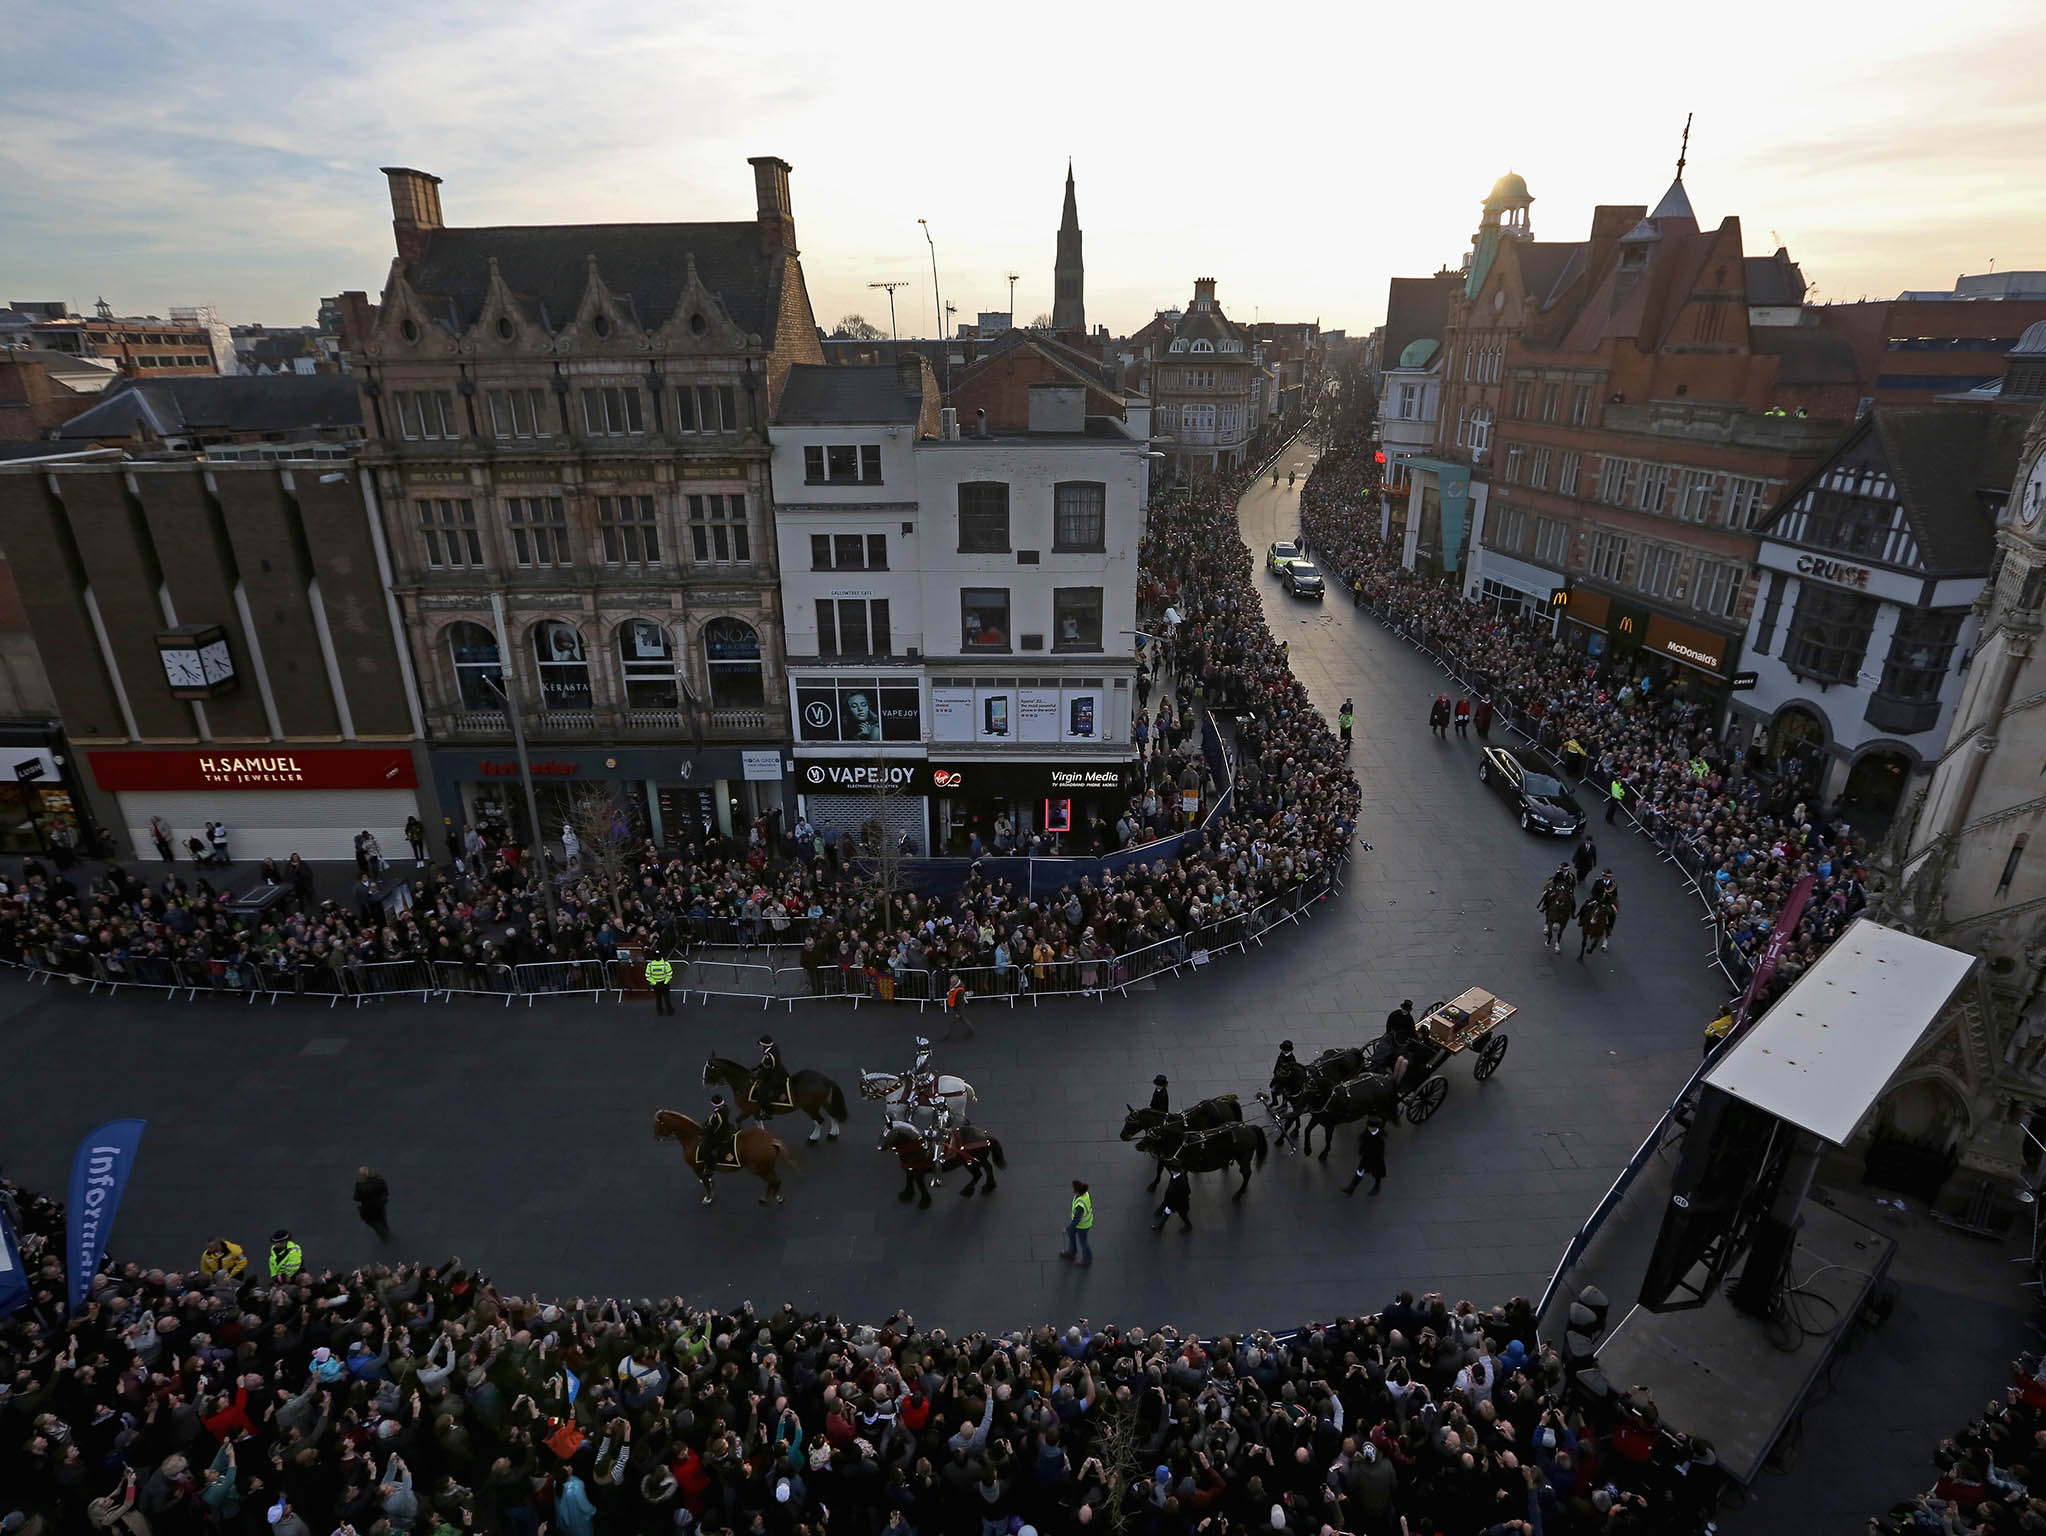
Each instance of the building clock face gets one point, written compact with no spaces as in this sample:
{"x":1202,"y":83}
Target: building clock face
{"x":2032,"y":500}
{"x":184,"y":669}
{"x":216,"y":663}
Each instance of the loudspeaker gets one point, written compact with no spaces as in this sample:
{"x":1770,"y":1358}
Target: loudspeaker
{"x":1767,"y":1267}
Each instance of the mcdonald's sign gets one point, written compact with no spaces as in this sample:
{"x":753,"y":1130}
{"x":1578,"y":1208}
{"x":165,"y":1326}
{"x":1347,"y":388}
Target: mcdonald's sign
{"x":1559,"y":597}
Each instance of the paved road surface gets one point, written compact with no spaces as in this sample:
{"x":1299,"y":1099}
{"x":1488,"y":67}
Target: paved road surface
{"x":520,"y":1138}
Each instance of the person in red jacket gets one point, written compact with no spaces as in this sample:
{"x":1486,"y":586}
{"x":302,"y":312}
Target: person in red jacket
{"x":229,"y":1419}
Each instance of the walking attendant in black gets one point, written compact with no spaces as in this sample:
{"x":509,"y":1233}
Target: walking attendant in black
{"x":1178,"y":1199}
{"x":372,"y":1198}
{"x":1161,"y":1095}
{"x":1370,"y":1157}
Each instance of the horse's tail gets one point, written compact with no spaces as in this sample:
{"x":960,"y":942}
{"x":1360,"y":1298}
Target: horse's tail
{"x":835,"y":1106}
{"x":995,"y":1147}
{"x":1259,"y":1132}
{"x":783,"y":1155}
{"x":970,"y":1094}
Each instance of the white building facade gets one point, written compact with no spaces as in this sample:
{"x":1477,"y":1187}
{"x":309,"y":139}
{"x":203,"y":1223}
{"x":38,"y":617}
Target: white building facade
{"x":1864,"y":628}
{"x":961,"y":612}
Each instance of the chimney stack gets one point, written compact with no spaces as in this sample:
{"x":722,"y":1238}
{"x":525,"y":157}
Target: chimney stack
{"x":415,"y":209}
{"x":1204,"y":293}
{"x":771,"y":195}
{"x":909,"y":372}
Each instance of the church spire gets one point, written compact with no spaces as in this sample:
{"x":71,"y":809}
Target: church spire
{"x":1069,"y":306}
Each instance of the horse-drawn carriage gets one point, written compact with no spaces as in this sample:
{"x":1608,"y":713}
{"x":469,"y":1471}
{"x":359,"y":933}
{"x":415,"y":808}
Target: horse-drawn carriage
{"x":1392,"y":1076}
{"x":1467,"y":1021}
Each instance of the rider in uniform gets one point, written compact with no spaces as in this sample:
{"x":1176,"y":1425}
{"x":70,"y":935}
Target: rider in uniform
{"x":1161,"y":1095}
{"x":719,"y":1140}
{"x":923,"y":1082}
{"x":770,"y":1078}
{"x":1605,"y":890}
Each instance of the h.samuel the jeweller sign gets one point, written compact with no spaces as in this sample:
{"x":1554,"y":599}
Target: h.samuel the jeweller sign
{"x":253,"y":768}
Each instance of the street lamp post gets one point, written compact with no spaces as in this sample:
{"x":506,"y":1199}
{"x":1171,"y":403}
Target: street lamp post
{"x":937,"y":303}
{"x":511,"y":712}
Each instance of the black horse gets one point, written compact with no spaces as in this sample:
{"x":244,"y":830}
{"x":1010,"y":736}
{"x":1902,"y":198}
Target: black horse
{"x":968,"y":1147}
{"x":1209,"y":1151}
{"x":1375,"y":1093}
{"x":1304,"y":1082}
{"x":1204,"y":1116}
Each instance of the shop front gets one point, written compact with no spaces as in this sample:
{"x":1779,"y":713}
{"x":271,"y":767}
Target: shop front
{"x":941,"y":803}
{"x":40,"y":805}
{"x":671,"y":794}
{"x":1062,"y":799}
{"x":274,"y":800}
{"x":1665,"y":652}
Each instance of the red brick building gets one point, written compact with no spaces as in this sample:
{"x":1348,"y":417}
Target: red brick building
{"x":999,"y":383}
{"x":1654,"y":402}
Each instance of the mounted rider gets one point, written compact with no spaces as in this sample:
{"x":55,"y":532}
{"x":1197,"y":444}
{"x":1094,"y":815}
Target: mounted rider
{"x":719,"y":1142}
{"x":771,"y":1078}
{"x":920,"y":1084}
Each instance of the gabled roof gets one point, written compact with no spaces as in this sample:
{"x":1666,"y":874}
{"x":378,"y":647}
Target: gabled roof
{"x":1950,"y":463}
{"x":1416,"y":309}
{"x":645,"y":267}
{"x":80,"y":375}
{"x":1774,"y":280}
{"x":1543,"y":264}
{"x":179,"y":407}
{"x":1952,"y":467}
{"x":825,"y":394}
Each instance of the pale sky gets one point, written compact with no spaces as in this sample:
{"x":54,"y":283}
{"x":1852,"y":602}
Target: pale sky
{"x":208,"y":151}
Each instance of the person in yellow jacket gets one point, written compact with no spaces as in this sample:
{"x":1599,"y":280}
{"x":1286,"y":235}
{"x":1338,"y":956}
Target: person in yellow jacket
{"x":1079,"y":1225}
{"x":659,"y":972}
{"x":222,"y":1258}
{"x":286,"y":1257}
{"x":1718,"y":1030}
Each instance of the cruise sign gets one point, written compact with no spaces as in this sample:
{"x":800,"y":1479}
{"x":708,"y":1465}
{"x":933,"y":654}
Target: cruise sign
{"x":1835,"y":571}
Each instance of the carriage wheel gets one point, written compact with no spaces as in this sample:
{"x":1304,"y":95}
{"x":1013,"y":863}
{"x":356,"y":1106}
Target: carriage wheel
{"x":1437,"y":1006}
{"x":1426,"y":1099}
{"x":1489,"y":1056}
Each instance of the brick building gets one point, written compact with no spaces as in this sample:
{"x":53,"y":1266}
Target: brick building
{"x":218,"y":645}
{"x":999,"y":383}
{"x":1203,"y":386}
{"x":1914,"y":349}
{"x":141,"y":346}
{"x":568,"y":450}
{"x":1644,"y":401}
{"x":41,"y":390}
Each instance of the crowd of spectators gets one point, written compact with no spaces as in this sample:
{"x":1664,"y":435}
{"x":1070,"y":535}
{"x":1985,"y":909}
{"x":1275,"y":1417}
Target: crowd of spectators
{"x":422,"y":1399}
{"x":1983,"y":1474}
{"x":1748,"y":828}
{"x":1294,"y":809}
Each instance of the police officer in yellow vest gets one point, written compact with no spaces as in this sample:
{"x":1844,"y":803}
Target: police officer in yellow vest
{"x":286,"y":1257}
{"x":1079,"y":1225}
{"x":659,"y":972}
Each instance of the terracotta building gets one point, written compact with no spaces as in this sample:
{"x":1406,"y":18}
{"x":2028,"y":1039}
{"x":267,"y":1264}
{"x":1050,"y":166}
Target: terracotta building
{"x":568,"y":451}
{"x":1656,"y":391}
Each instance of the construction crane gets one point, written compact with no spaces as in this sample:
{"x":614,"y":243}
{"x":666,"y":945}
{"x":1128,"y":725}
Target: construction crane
{"x":901,"y":282}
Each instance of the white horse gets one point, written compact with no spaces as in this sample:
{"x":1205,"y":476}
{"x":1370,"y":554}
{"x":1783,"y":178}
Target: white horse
{"x":893,"y":1091}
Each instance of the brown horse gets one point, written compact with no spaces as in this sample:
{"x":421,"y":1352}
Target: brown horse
{"x":968,"y":1147}
{"x":758,"y":1152}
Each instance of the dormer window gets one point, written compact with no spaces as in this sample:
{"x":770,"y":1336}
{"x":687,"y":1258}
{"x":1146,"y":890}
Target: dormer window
{"x":1179,"y":344}
{"x":1204,"y":346}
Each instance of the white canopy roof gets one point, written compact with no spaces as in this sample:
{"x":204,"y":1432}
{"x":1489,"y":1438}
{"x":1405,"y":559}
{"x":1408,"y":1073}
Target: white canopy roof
{"x":1829,"y":1047}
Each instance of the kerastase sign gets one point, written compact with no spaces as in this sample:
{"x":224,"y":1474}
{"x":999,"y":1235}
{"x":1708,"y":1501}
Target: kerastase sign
{"x":267,"y":768}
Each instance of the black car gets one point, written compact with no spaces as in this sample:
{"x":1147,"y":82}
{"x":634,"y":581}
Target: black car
{"x":1303,"y":580}
{"x":1526,"y":784}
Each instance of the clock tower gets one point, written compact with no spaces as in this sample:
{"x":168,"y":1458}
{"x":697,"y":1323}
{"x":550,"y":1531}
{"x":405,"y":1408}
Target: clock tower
{"x":1973,"y":871}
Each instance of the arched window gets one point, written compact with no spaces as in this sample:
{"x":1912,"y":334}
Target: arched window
{"x":647,"y":659}
{"x":1204,"y":345}
{"x":731,"y":653}
{"x":564,"y":670}
{"x":479,"y":678}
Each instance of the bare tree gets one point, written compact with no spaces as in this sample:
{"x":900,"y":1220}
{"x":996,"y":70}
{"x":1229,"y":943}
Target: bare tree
{"x":856,"y":327}
{"x":1042,"y":322}
{"x":600,"y":830}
